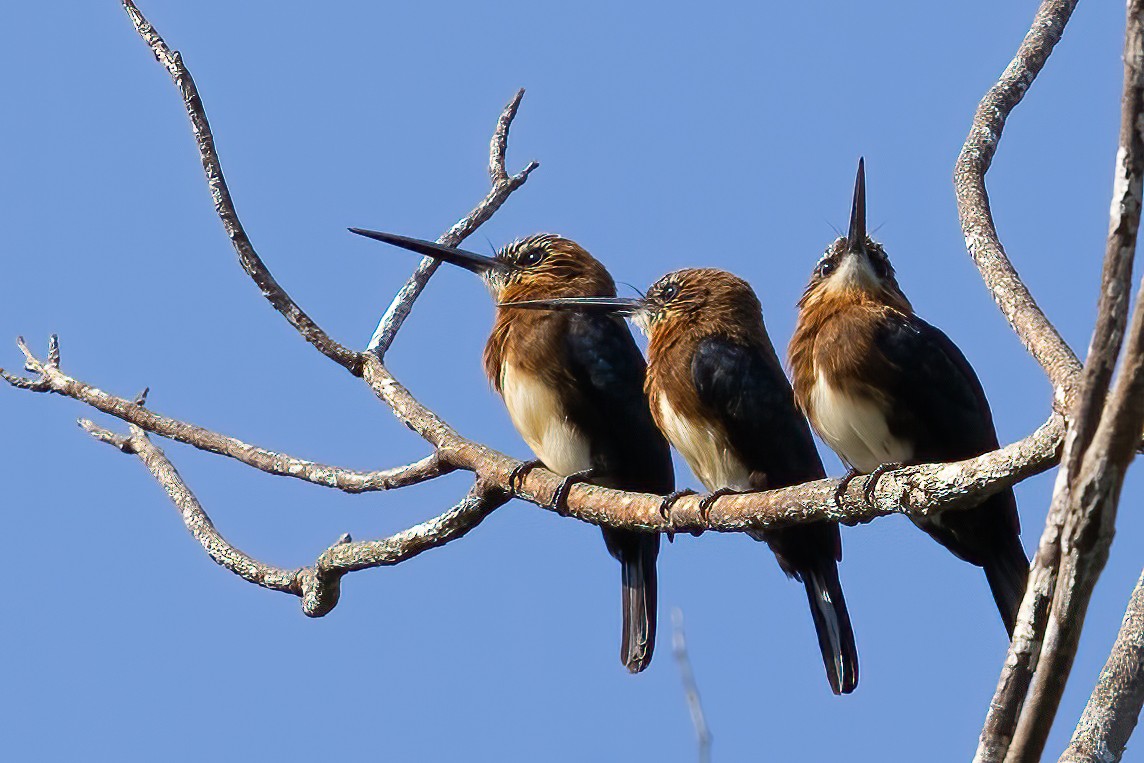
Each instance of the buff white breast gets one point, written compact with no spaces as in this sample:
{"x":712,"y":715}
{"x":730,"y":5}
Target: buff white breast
{"x":539,"y":416}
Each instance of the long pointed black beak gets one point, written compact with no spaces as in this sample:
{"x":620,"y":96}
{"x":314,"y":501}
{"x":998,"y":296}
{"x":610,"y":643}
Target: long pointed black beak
{"x":856,"y":238}
{"x":477,"y":263}
{"x":618,"y":305}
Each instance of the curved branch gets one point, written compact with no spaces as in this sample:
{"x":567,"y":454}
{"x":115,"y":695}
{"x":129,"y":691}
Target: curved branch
{"x":1016,"y":302}
{"x":319,"y":586}
{"x":51,"y":379}
{"x":224,"y":206}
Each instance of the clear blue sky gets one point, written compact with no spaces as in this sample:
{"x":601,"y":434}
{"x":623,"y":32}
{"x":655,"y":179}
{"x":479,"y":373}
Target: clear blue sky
{"x":669,"y":134}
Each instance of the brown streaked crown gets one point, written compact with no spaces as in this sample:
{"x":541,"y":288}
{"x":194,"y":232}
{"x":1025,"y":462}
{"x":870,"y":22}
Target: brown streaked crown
{"x":546,"y":265}
{"x":702,"y":301}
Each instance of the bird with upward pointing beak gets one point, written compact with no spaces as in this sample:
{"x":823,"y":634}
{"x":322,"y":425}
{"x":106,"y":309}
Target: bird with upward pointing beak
{"x":884,"y":388}
{"x":718,"y":391}
{"x":573,"y":386}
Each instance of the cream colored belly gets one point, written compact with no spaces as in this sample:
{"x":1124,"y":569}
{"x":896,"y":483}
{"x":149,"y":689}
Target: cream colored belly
{"x":541,"y":420}
{"x":706,"y":451}
{"x":856,"y":429}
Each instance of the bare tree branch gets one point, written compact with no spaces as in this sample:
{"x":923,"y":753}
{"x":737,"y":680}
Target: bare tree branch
{"x":690,"y":688}
{"x":1086,"y":465}
{"x":1114,"y":707}
{"x":224,"y":206}
{"x":1035,"y":330}
{"x":1102,"y":429}
{"x":318,"y":586}
{"x":914,"y":490}
{"x":1094,"y":494}
{"x":503,"y":185}
{"x":51,"y":379}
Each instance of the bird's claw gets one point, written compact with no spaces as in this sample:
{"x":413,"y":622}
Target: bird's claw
{"x":559,"y":502}
{"x":669,"y":501}
{"x":517,"y":475}
{"x":843,"y":484}
{"x":872,"y":481}
{"x":709,"y":500}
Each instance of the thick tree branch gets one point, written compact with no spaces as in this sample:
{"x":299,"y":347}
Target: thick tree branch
{"x":1114,"y":707}
{"x":318,"y":586}
{"x":914,"y":490}
{"x":1008,"y":719}
{"x":1016,"y":302}
{"x":224,"y":206}
{"x":51,"y":379}
{"x":1094,"y":494}
{"x":503,"y":185}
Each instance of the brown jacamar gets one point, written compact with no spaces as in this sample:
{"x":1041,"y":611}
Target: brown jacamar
{"x":884,"y":388}
{"x":718,"y":391}
{"x":573,"y":385}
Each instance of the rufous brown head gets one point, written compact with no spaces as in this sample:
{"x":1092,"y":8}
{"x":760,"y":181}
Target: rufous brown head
{"x":689,"y":301}
{"x":539,"y":266}
{"x":855,"y":266}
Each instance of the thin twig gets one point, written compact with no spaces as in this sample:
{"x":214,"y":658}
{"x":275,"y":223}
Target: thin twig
{"x":52,"y":379}
{"x":690,"y":687}
{"x":503,"y":185}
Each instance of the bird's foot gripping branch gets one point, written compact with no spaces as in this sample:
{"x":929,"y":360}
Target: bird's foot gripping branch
{"x":1097,"y":417}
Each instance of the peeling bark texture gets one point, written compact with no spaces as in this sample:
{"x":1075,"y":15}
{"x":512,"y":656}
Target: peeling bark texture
{"x":1114,"y":707}
{"x":1016,"y":302}
{"x":1095,"y":421}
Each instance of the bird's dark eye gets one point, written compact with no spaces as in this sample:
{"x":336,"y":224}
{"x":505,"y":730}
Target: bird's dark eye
{"x":531,"y":257}
{"x":879,"y":266}
{"x":668,"y":292}
{"x":826,"y":268}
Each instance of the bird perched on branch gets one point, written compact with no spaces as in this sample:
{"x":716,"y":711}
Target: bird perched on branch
{"x":717,"y":390}
{"x":884,"y":388}
{"x":573,"y":385}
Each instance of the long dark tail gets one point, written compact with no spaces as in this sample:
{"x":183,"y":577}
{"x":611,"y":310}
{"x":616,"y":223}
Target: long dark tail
{"x":989,"y":536}
{"x":1008,"y":573}
{"x":832,"y":623}
{"x":636,"y":553}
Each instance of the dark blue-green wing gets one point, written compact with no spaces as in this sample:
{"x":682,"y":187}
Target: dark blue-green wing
{"x":610,"y":405}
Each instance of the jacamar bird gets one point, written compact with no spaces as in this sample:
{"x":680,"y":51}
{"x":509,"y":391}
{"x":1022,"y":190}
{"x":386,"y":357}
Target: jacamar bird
{"x":884,"y":388}
{"x":718,"y":391}
{"x":573,"y":386}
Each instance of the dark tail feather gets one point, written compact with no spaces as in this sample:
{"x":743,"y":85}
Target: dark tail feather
{"x":1008,"y":574}
{"x":832,"y":622}
{"x":637,"y":562}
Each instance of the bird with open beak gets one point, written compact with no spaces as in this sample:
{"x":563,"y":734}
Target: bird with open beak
{"x":718,"y":391}
{"x":573,"y":386}
{"x":884,"y":388}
